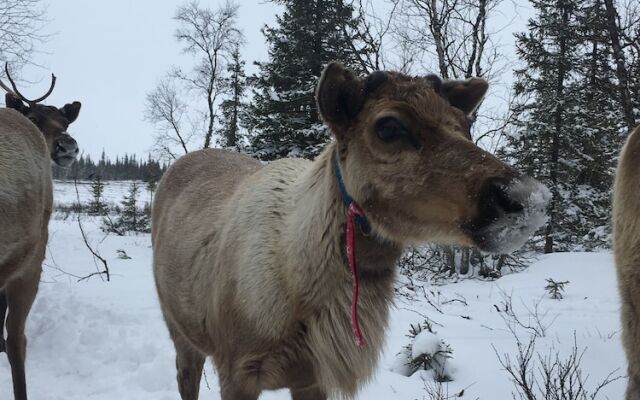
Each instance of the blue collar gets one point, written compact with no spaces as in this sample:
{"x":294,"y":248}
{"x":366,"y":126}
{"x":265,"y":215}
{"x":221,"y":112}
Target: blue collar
{"x":362,"y":221}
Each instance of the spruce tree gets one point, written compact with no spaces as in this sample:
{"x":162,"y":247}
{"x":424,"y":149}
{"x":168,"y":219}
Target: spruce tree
{"x":543,"y":143}
{"x":233,"y":107}
{"x":97,"y":205}
{"x":568,"y":122}
{"x":282,"y":116}
{"x":600,"y":128}
{"x":131,"y":217}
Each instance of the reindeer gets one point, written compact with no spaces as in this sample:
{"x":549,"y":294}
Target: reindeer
{"x":31,"y":134}
{"x":284,"y":273}
{"x":626,"y":246}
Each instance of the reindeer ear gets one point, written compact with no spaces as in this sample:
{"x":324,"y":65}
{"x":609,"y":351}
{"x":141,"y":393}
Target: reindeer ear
{"x":340,"y":95}
{"x":71,"y":111}
{"x":14,"y":102}
{"x":465,"y":95}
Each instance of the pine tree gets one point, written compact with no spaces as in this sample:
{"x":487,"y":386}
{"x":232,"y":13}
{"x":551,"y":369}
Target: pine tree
{"x":600,"y":124}
{"x":568,"y":122}
{"x":97,"y":206}
{"x":543,"y":143}
{"x":233,"y":107}
{"x":131,"y":217}
{"x":282,"y":116}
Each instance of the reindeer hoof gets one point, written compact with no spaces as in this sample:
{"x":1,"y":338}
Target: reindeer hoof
{"x":3,"y":346}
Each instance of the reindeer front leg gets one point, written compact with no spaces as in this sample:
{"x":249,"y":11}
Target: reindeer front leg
{"x":20,"y":294}
{"x":630,"y":313}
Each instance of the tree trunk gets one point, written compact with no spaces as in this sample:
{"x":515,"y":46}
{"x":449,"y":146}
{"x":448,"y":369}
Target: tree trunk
{"x":555,"y":142}
{"x":436,"y":30}
{"x":450,"y":256}
{"x":465,"y":261}
{"x":621,"y":70}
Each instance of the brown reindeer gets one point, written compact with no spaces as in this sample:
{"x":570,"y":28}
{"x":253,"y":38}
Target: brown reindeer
{"x":253,"y":264}
{"x":626,"y":245}
{"x":31,"y":135}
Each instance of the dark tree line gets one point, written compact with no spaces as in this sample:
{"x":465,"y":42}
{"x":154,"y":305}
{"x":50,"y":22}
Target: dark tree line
{"x":127,"y":167}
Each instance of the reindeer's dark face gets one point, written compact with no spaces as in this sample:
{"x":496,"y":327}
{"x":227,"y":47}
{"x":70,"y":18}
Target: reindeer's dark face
{"x":53,"y":123}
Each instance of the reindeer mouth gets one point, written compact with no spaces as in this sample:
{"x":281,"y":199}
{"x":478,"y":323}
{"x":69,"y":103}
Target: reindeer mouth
{"x":509,"y":215}
{"x":64,"y":160}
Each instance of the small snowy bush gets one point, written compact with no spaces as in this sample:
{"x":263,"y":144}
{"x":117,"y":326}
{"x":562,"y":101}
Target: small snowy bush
{"x":555,"y":289}
{"x":122,"y":255}
{"x":426,"y":352}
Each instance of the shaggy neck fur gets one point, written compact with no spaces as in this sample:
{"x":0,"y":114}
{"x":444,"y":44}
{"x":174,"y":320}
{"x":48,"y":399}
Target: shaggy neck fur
{"x":317,"y":241}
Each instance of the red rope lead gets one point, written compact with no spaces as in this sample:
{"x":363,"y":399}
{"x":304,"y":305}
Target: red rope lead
{"x":353,"y":211}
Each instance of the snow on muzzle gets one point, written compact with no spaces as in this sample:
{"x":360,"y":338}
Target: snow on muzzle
{"x":510,"y":211}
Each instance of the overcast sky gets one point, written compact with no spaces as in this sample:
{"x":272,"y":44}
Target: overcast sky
{"x":109,"y":54}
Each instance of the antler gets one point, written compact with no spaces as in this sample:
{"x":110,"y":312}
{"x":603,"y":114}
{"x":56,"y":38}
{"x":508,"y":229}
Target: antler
{"x":20,"y":95}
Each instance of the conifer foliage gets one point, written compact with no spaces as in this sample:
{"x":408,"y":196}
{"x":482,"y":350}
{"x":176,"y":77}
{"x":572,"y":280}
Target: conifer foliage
{"x":97,"y":206}
{"x":568,"y":125}
{"x":131,"y":217}
{"x":282,"y":116}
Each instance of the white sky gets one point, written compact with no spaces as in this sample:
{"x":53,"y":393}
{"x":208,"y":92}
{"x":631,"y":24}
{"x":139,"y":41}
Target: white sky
{"x":109,"y":54}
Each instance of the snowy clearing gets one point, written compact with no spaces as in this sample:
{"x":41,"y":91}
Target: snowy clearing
{"x":99,"y":340}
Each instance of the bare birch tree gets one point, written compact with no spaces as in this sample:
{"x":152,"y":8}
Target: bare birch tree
{"x":370,"y":38}
{"x":210,"y":38}
{"x":21,"y":30}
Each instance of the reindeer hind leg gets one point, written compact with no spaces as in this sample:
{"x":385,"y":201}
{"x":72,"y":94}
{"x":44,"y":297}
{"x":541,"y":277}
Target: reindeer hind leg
{"x":20,"y":294}
{"x":189,"y":365}
{"x":3,"y":315}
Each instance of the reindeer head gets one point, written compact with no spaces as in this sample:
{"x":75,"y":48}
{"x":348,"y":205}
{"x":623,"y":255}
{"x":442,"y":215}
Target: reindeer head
{"x":52,"y":121}
{"x":407,"y":157}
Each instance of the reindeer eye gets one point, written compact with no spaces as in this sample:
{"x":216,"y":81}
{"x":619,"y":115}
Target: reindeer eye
{"x":390,"y":130}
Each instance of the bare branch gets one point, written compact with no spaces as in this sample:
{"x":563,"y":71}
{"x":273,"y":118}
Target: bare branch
{"x":21,"y":30}
{"x":94,"y":253}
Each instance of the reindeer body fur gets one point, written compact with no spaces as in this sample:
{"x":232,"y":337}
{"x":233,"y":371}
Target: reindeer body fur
{"x":26,"y":197}
{"x":250,"y":261}
{"x":626,"y":221}
{"x":277,"y":310}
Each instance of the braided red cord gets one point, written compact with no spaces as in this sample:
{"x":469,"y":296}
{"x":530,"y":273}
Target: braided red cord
{"x":353,"y":211}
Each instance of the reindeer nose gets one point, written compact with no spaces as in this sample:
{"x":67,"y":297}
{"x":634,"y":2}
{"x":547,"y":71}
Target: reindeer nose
{"x":510,"y":209}
{"x":67,"y":146}
{"x":500,"y":198}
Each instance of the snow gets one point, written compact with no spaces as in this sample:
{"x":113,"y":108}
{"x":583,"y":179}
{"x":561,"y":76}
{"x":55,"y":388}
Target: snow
{"x":511,"y":230}
{"x":425,"y":343}
{"x":64,"y":192}
{"x":107,"y":340}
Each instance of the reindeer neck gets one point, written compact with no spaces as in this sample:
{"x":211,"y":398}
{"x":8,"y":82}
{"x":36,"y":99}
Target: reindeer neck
{"x":317,"y":243}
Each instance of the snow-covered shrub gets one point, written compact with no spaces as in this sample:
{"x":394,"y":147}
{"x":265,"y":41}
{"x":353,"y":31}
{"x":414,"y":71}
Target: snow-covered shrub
{"x":122,"y":255}
{"x":427,"y":351}
{"x":555,"y":289}
{"x":443,"y":264}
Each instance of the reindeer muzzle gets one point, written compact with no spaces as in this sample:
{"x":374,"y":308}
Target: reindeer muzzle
{"x":66,"y":150}
{"x":510,"y":211}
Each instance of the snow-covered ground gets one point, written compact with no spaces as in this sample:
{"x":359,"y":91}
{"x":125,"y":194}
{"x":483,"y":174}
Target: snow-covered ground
{"x":64,"y":192}
{"x":107,"y":340}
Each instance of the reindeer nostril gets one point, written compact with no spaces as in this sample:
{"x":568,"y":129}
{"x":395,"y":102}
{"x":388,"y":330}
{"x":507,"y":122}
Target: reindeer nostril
{"x":504,"y":201}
